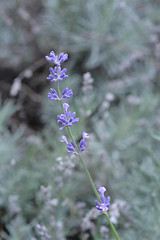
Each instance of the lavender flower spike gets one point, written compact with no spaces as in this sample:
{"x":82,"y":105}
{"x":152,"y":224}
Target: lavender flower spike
{"x":83,"y":143}
{"x":53,"y":95}
{"x":104,"y":205}
{"x":70,"y":146}
{"x":55,"y":59}
{"x":67,"y":119}
{"x":57,"y":74}
{"x":67,"y":93}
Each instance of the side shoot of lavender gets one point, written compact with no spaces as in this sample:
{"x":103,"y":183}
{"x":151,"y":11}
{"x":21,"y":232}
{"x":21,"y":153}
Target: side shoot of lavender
{"x":67,"y":120}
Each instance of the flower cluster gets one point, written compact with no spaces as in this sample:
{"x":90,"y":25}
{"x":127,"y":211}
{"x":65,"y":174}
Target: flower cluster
{"x":43,"y":232}
{"x":55,"y":59}
{"x":103,"y":206}
{"x":54,"y":96}
{"x":57,"y":74}
{"x":66,"y":119}
{"x":71,"y":147}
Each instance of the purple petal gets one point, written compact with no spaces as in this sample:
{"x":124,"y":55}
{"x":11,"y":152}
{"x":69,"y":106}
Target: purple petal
{"x":49,"y":59}
{"x":71,"y":147}
{"x":102,"y":190}
{"x":67,"y":93}
{"x":64,"y":70}
{"x":51,"y":70}
{"x":65,"y":90}
{"x":65,"y":106}
{"x":103,"y":199}
{"x":85,"y":135}
{"x":75,"y":120}
{"x":52,"y":54}
{"x":59,"y":70}
{"x":64,"y":139}
{"x":61,"y":56}
{"x":96,"y":202}
{"x":82,"y":145}
{"x":59,"y":121}
{"x":72,"y":115}
{"x":108,"y":199}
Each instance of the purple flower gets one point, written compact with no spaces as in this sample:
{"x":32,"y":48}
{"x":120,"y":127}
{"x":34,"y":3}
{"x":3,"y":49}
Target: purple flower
{"x":53,"y":95}
{"x":67,"y":119}
{"x":70,"y":146}
{"x":57,"y":74}
{"x":104,"y":205}
{"x":55,"y":59}
{"x":67,"y":93}
{"x":83,"y":144}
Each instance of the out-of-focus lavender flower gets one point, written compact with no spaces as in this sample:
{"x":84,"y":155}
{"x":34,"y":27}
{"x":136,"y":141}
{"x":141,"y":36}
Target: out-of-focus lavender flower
{"x":88,"y":222}
{"x":70,"y":146}
{"x":109,"y":97}
{"x":87,"y":83}
{"x":46,"y":192}
{"x":104,"y":205}
{"x":60,"y":230}
{"x":67,"y":119}
{"x":104,"y":232}
{"x":67,"y":93}
{"x":42,"y":231}
{"x":83,"y":143}
{"x":53,"y":95}
{"x":64,"y":166}
{"x":13,"y":205}
{"x":57,"y":74}
{"x":118,"y":208}
{"x":55,"y":59}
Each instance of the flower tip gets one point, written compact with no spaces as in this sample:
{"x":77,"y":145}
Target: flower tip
{"x":85,"y":135}
{"x":64,"y":139}
{"x":96,"y":202}
{"x":65,"y":56}
{"x":102,"y":190}
{"x":108,"y":199}
{"x":47,"y":58}
{"x":65,"y":106}
{"x":52,"y":53}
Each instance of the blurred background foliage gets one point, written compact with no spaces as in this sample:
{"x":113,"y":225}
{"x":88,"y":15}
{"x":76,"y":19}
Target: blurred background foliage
{"x":44,"y":193}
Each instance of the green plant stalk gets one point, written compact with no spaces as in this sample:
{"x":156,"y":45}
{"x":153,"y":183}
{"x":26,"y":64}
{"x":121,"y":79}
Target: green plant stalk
{"x":112,"y":227}
{"x":91,"y":182}
{"x":84,"y":166}
{"x":86,"y":170}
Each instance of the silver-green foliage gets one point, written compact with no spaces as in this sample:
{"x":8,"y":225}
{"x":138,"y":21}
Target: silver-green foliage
{"x":129,"y":162}
{"x":120,"y":37}
{"x":120,"y":156}
{"x":143,"y":192}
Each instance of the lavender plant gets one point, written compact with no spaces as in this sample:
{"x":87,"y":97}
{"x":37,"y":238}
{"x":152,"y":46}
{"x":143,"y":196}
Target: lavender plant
{"x":67,"y":120}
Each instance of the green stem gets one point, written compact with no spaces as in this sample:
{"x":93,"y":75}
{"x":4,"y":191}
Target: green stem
{"x":92,"y":183}
{"x":84,"y":166}
{"x":59,"y":95}
{"x":90,"y":178}
{"x":112,"y":227}
{"x":86,"y":170}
